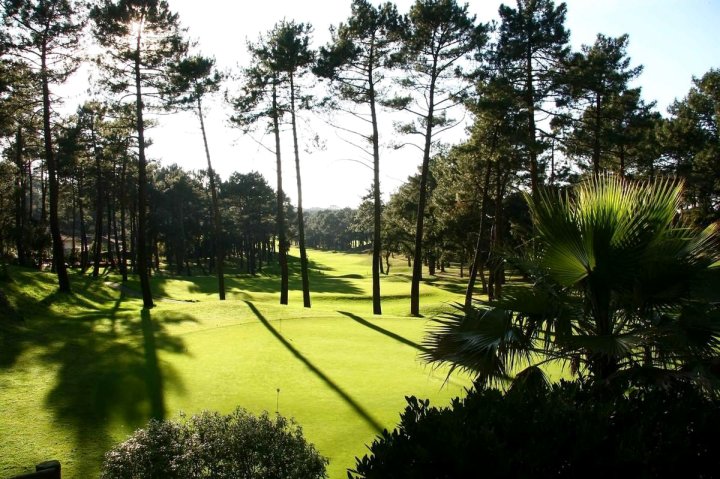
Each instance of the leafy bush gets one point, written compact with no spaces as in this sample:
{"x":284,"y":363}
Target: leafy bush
{"x":211,"y":445}
{"x":568,"y":431}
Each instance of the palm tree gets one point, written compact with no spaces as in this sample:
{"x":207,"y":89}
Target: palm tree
{"x":619,"y":287}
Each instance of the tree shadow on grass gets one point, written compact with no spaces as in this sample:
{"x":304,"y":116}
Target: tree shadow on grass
{"x":105,"y":379}
{"x":267,"y":281}
{"x":455,"y":286}
{"x":357,"y":407}
{"x":105,"y":356}
{"x":384,"y":331}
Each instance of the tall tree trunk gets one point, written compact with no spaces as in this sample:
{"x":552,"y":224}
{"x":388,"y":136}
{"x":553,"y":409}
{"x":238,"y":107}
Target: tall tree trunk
{"x":123,"y":207}
{"x":280,"y":215}
{"x":552,"y":163}
{"x":110,"y":256}
{"x":30,"y":191}
{"x":377,"y":211}
{"x":133,"y":236}
{"x":478,"y":259}
{"x":21,"y":215}
{"x":531,"y":131}
{"x":58,"y":246}
{"x":116,"y":234}
{"x":179,"y":239}
{"x":83,"y":229}
{"x":217,"y":224}
{"x":142,"y":253}
{"x":98,"y":199}
{"x":422,"y":199}
{"x":301,"y":219}
{"x":596,"y":138}
{"x":497,"y":272}
{"x":43,"y":194}
{"x":73,"y":251}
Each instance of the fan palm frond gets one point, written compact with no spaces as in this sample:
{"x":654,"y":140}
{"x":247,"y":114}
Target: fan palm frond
{"x":616,"y":281}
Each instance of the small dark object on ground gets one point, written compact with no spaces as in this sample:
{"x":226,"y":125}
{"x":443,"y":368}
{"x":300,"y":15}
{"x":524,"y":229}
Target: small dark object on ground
{"x":44,"y":470}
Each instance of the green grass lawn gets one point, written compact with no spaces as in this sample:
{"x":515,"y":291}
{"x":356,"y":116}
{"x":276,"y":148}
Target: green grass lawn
{"x":83,"y":371}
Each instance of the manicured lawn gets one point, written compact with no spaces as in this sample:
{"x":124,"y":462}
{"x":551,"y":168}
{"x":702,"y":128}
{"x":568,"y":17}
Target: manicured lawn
{"x":82,"y":372}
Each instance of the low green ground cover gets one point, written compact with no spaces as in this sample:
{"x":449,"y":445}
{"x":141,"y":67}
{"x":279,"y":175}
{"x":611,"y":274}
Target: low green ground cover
{"x":81,"y":372}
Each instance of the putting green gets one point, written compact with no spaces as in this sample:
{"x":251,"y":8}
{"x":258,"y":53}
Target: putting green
{"x":84,"y":371}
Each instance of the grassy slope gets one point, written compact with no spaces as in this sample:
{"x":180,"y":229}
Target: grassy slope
{"x":83,"y":371}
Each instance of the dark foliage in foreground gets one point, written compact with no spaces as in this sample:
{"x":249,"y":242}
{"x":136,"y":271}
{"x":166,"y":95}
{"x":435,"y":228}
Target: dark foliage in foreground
{"x":568,"y":431}
{"x":210,"y":445}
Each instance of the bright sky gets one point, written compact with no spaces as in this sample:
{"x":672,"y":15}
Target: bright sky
{"x":674,"y":40}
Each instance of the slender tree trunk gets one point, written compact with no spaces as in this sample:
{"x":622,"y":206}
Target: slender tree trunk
{"x":497,"y":269}
{"x":301,"y":219}
{"x":133,"y":236}
{"x":43,"y":194}
{"x":478,"y":259}
{"x":155,"y":251}
{"x":422,"y":199}
{"x":280,"y":215}
{"x":180,"y":239}
{"x":596,"y":138}
{"x":530,"y":104}
{"x":217,"y":224}
{"x":123,"y":207}
{"x":58,"y":246}
{"x":552,"y":163}
{"x":110,"y":256}
{"x":98,"y":199}
{"x":142,"y":253}
{"x":73,"y":252}
{"x":116,"y":234}
{"x":377,"y":211}
{"x":21,"y":216}
{"x":83,"y":229}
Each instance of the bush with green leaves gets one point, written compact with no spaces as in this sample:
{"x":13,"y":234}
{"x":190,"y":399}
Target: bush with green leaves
{"x":566,"y":431}
{"x":210,"y":445}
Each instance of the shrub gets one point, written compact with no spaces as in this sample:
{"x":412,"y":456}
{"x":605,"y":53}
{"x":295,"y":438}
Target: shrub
{"x":569,"y":431}
{"x":211,"y":445}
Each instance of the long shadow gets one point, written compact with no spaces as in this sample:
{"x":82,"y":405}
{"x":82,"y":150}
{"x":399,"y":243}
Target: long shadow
{"x":361,"y":411}
{"x":104,"y":357}
{"x":384,"y":331}
{"x":105,"y":378}
{"x":453,"y":285}
{"x":153,"y":375}
{"x":267,"y":281}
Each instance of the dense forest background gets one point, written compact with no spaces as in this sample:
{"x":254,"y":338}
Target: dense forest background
{"x":78,"y":189}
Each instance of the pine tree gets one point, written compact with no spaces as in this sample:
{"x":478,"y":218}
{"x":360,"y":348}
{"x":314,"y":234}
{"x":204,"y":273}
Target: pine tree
{"x":192,"y":80}
{"x":293,"y":58}
{"x":438,"y":34}
{"x":355,"y":62}
{"x":259,"y":100}
{"x":141,"y":39}
{"x":45,"y":35}
{"x":532,"y":47}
